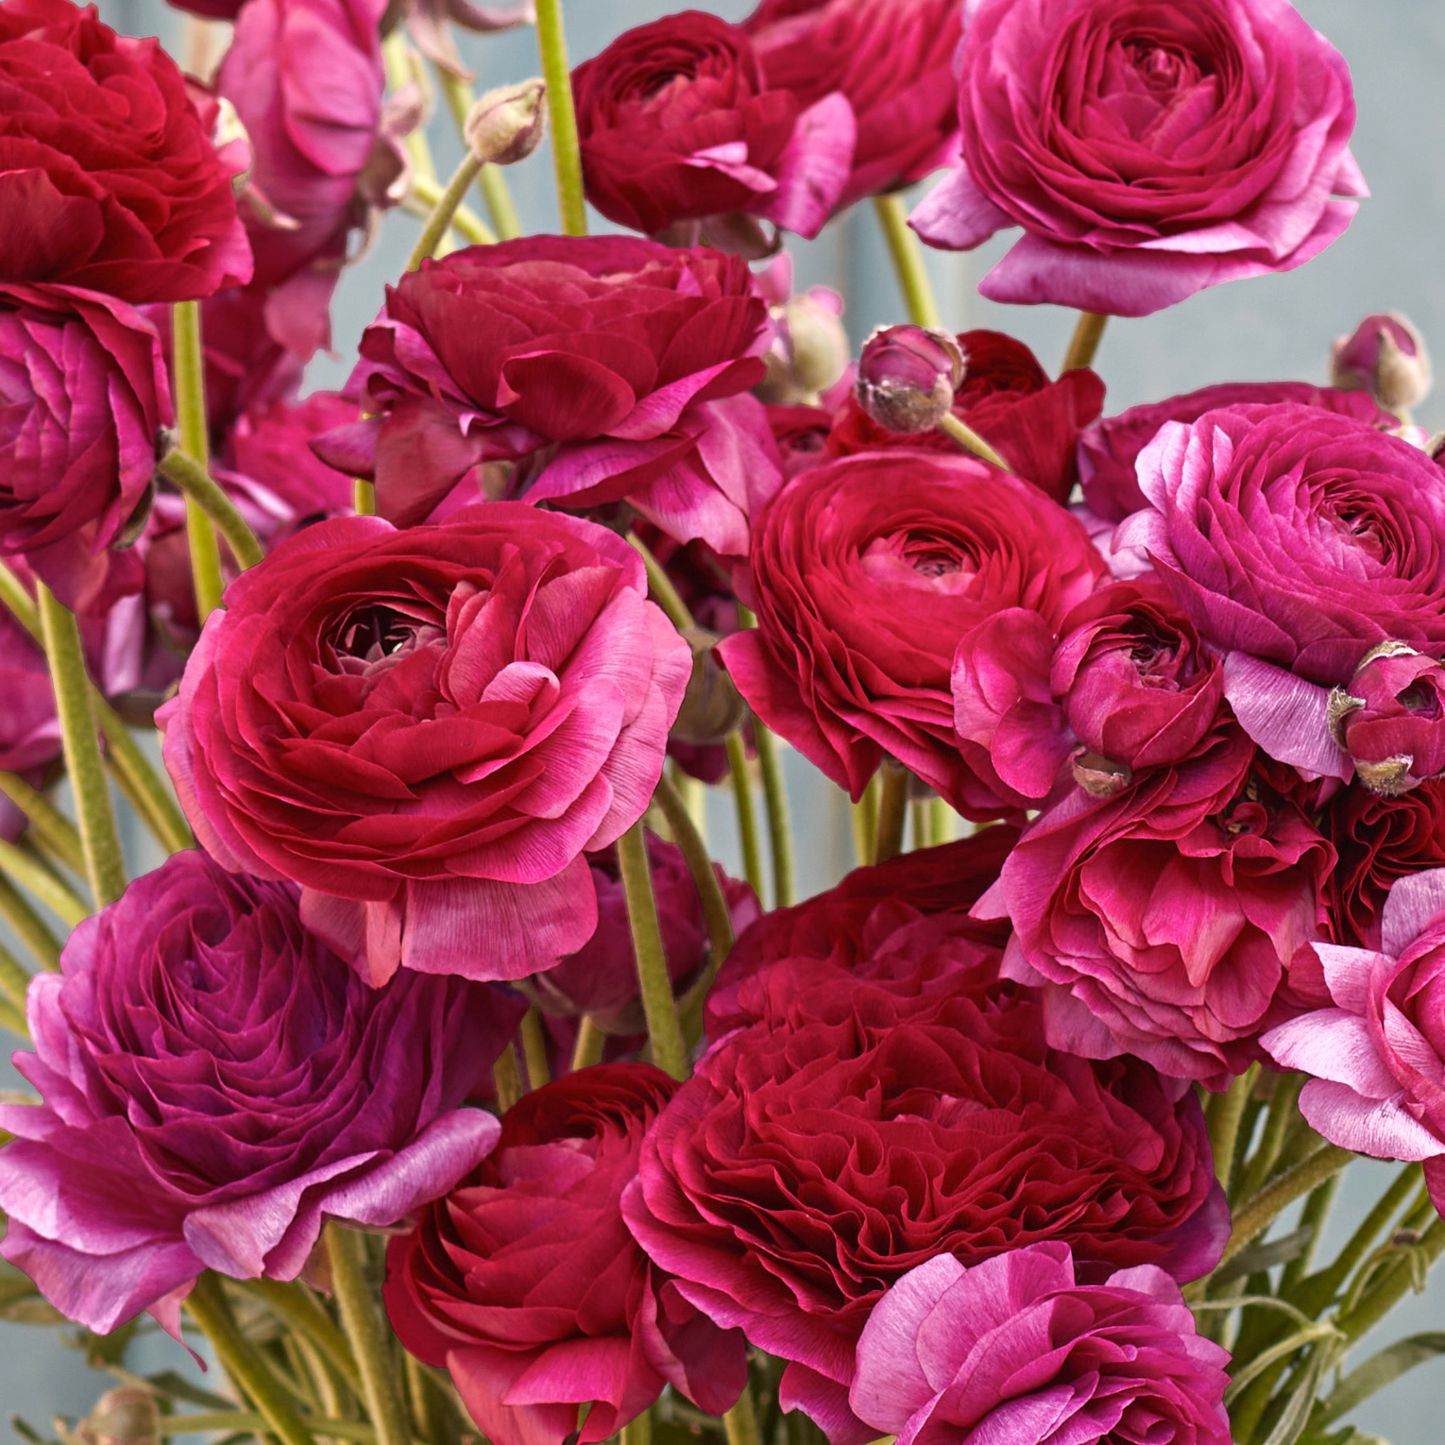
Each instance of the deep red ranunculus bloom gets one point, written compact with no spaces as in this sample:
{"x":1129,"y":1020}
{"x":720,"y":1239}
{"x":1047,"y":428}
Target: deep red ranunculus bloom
{"x":679,"y":122}
{"x":525,"y":1284}
{"x":878,"y":1112}
{"x":1007,"y":398}
{"x":893,"y":59}
{"x":108,"y":176}
{"x":427,"y":728}
{"x":1148,"y":151}
{"x":865,"y":574}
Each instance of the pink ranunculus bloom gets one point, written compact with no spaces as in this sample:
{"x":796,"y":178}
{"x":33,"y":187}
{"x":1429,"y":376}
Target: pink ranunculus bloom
{"x":678,"y":122}
{"x":85,"y":397}
{"x":606,"y":369}
{"x":1147,"y":151}
{"x":524,"y":1284}
{"x":215,"y":1083}
{"x":1295,"y":536}
{"x":427,"y":728}
{"x":1013,"y":1351}
{"x":1166,"y":920}
{"x":1377,"y":1056}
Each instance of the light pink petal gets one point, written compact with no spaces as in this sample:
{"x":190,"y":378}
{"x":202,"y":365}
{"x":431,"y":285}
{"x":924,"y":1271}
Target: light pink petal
{"x":1415,"y":904}
{"x":956,"y":216}
{"x":1285,"y":715}
{"x":814,"y":167}
{"x":1377,"y":1127}
{"x":1335,"y":1045}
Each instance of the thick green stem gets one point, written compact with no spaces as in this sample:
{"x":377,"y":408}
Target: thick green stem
{"x":908,"y":264}
{"x":444,"y":210}
{"x":658,"y":1004}
{"x":188,"y":369}
{"x":747,"y":811}
{"x":104,"y":864}
{"x":942,"y":822}
{"x":362,"y":1322}
{"x":637,"y":1431}
{"x":30,"y":871}
{"x":970,"y":440}
{"x":363,"y":497}
{"x":51,"y":826}
{"x":27,"y":926}
{"x":244,"y":1363}
{"x":295,"y":1307}
{"x":566,"y":149}
{"x":741,"y":1422}
{"x":780,"y":825}
{"x":534,"y":1048}
{"x":1260,"y":1212}
{"x":1225,"y":1112}
{"x":247,"y":1422}
{"x":588,"y":1048}
{"x":865,"y":822}
{"x":1283,"y":1111}
{"x":715,"y":910}
{"x":201,"y":488}
{"x":1312,"y":1217}
{"x":465,"y":221}
{"x":507,"y":1079}
{"x":491,"y":182}
{"x":892,"y":812}
{"x":14,"y":981}
{"x":1084,"y":343}
{"x":399,"y":62}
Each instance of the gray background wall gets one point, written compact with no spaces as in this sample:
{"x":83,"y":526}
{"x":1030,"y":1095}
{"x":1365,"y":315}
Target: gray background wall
{"x":1272,"y":328}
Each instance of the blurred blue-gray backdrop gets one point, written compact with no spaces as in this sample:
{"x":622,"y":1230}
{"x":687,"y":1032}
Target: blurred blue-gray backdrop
{"x":1270,"y":328}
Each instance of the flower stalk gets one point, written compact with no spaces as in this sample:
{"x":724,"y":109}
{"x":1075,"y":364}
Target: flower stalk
{"x":658,"y":1004}
{"x":1084,"y":343}
{"x":200,"y":487}
{"x":747,"y":812}
{"x":444,"y":211}
{"x":1260,"y":1212}
{"x":780,"y":824}
{"x":906,"y":254}
{"x":892,"y":812}
{"x":566,"y":148}
{"x":50,"y":825}
{"x":31,"y":871}
{"x":26,"y":924}
{"x":188,"y":365}
{"x":490,"y":181}
{"x":970,"y":441}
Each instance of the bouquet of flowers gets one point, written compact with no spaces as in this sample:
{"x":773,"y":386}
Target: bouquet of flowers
{"x":438,"y":1077}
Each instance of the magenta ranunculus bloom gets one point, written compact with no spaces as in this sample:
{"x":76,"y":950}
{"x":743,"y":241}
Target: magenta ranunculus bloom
{"x":1164,"y":920}
{"x":606,"y":369}
{"x":524,"y":1284}
{"x":865,"y":574}
{"x":1295,"y":536}
{"x":425,"y":729}
{"x":1013,"y":1351}
{"x":85,"y":396}
{"x":1377,"y":1056}
{"x":679,"y":122}
{"x":108,"y":175}
{"x":1147,"y":151}
{"x":910,"y":1093}
{"x":215,"y":1084}
{"x":892,"y":59}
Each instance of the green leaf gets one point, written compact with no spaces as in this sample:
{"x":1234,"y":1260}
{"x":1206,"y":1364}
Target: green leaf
{"x":1284,"y":1348}
{"x":176,"y":1387}
{"x":1296,"y":1413}
{"x":26,"y":1431}
{"x":1378,"y":1371}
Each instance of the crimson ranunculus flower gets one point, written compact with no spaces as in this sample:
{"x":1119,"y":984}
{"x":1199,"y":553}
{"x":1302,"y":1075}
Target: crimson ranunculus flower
{"x":1109,"y":450}
{"x":1148,"y":151}
{"x":216,"y":1083}
{"x":879,"y":1114}
{"x":108,"y":177}
{"x":1295,"y":536}
{"x":679,"y":122}
{"x":613,"y":368}
{"x":1165,"y":920}
{"x":865,"y":574}
{"x":526,"y":1286}
{"x":1008,"y":399}
{"x":1015,"y":1352}
{"x":83,"y":398}
{"x":893,"y":59}
{"x":426,"y":729}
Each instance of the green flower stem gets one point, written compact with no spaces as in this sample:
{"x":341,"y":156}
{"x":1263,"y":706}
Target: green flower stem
{"x":920,"y":822}
{"x":588,"y":1048}
{"x":741,"y":1422}
{"x":465,"y":221}
{"x":1283,"y":1111}
{"x":491,"y":182}
{"x":892,"y":811}
{"x":43,"y":882}
{"x":26,"y":925}
{"x":780,"y":826}
{"x":566,"y":150}
{"x":1259,"y":1213}
{"x":534,"y":1048}
{"x":507,"y":1079}
{"x":1084,"y":343}
{"x":189,"y":384}
{"x":244,"y":1364}
{"x":104,"y":865}
{"x":747,"y":811}
{"x":362,"y":1322}
{"x":970,"y":440}
{"x":694,"y":851}
{"x":397,"y":60}
{"x":298,"y":1310}
{"x":248,"y":1422}
{"x":637,"y":1431}
{"x":14,"y":981}
{"x":16,"y":596}
{"x":363,"y":497}
{"x":660,"y":586}
{"x":1225,"y":1112}
{"x":943,"y":822}
{"x":444,"y":211}
{"x":658,"y":1004}
{"x":13,"y":1019}
{"x":200,"y":487}
{"x":865,"y":823}
{"x":50,"y":825}
{"x":1313,"y":1216}
{"x":908,"y":264}
{"x":1392,"y":1288}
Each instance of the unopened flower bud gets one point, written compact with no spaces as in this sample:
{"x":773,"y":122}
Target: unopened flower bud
{"x":810,"y":353}
{"x":907,"y":376}
{"x":1391,"y":718}
{"x":711,"y":707}
{"x":506,"y":124}
{"x":1386,"y":357}
{"x":229,"y":130}
{"x":125,"y":1416}
{"x":1098,"y":776}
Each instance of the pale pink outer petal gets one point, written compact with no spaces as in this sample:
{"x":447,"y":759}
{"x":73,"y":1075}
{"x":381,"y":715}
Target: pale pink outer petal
{"x":956,"y":216}
{"x":814,"y":168}
{"x":1335,"y":1045}
{"x":1416,"y":903}
{"x":1380,"y":1128}
{"x":1285,"y":715}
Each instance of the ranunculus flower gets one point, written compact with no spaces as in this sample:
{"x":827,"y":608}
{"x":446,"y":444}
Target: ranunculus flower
{"x":613,"y":366}
{"x":1385,"y":357}
{"x":678,"y":122}
{"x":1295,"y":536}
{"x":907,"y":376}
{"x":1008,"y":399}
{"x":1147,"y":151}
{"x":801,"y":434}
{"x":865,"y":573}
{"x":84,"y":393}
{"x":426,"y":729}
{"x":1390,"y":720}
{"x":1163,"y":921}
{"x":906,"y":1097}
{"x":893,"y":59}
{"x":526,"y":1286}
{"x":600,"y":979}
{"x":1377,"y":1056}
{"x":1013,"y":1351}
{"x":216,"y":1083}
{"x":108,"y":177}
{"x":1108,"y":451}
